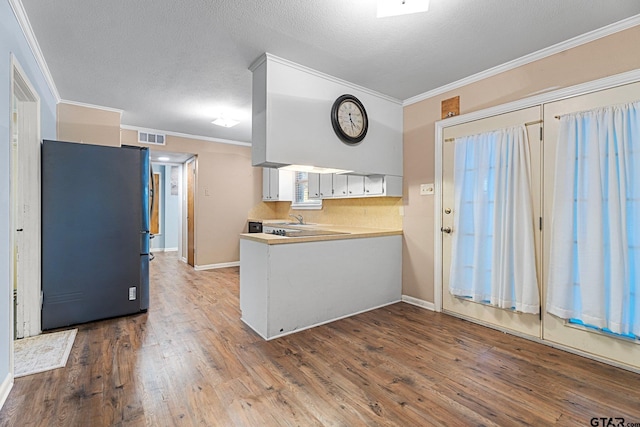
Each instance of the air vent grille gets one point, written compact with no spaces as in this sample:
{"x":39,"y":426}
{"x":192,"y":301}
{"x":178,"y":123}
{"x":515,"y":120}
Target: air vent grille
{"x":151,"y":138}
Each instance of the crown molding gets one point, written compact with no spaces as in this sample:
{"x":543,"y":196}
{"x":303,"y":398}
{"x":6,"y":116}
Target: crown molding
{"x":616,"y":27}
{"x":97,"y":107}
{"x":265,"y":57}
{"x":186,"y":135}
{"x":25,"y":25}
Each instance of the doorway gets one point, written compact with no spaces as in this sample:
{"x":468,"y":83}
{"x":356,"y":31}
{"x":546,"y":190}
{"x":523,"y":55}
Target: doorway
{"x":175,"y":203}
{"x":488,"y":314}
{"x":25,"y":214}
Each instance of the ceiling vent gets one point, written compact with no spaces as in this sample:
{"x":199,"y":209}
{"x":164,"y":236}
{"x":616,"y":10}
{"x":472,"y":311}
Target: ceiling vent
{"x":151,"y":138}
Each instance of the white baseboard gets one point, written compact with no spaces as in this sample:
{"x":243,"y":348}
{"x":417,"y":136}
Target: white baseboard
{"x":215,"y":266}
{"x":419,"y":302}
{"x":183,"y":259}
{"x":5,"y":388}
{"x":164,"y":249}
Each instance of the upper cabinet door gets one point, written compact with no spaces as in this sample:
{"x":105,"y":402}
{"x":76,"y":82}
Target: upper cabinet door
{"x":314,"y":185}
{"x":340,"y":186}
{"x":355,"y":185}
{"x":326,"y":185}
{"x":373,"y":184}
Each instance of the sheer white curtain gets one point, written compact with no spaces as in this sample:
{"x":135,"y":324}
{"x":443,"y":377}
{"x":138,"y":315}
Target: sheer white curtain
{"x":493,"y":256}
{"x":595,"y":257}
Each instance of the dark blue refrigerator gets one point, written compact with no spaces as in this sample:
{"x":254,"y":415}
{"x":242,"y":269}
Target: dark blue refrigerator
{"x":95,"y":232}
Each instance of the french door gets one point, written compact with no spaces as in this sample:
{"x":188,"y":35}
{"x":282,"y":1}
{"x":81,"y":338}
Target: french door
{"x":555,"y":329}
{"x":484,"y":313}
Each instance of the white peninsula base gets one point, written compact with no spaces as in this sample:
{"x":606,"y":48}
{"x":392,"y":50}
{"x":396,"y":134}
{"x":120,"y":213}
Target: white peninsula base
{"x":285,"y":288}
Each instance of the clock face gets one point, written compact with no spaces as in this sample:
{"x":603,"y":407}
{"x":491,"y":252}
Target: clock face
{"x":349,"y":119}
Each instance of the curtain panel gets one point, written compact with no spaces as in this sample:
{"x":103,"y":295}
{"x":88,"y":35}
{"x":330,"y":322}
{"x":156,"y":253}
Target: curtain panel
{"x":493,"y":249}
{"x":595,"y":255}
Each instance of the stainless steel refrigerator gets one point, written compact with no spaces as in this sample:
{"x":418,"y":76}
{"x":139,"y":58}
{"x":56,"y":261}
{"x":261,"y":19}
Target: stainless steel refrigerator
{"x":95,"y":232}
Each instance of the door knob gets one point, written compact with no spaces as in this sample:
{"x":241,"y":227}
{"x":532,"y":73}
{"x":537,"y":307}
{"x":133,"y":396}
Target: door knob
{"x":447,"y":211}
{"x":446,"y":230}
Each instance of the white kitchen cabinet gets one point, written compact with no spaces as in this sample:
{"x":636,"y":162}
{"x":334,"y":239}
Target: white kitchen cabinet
{"x":326,"y":185}
{"x":277,"y":185}
{"x":355,"y":185}
{"x":313,"y":180}
{"x":290,"y":100}
{"x":374,"y":185}
{"x":340,"y":186}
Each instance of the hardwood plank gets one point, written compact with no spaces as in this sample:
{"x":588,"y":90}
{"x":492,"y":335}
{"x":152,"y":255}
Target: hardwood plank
{"x":191,"y":361}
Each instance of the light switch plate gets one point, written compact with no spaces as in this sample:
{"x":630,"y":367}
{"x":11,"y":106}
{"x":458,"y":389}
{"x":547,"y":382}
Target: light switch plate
{"x":426,"y":189}
{"x":132,"y":293}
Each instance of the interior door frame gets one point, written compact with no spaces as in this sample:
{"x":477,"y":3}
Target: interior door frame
{"x":29,"y":291}
{"x":538,"y":100}
{"x":190,"y":188}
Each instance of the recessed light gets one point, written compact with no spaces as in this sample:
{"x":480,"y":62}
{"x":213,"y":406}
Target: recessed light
{"x":401,"y":7}
{"x":164,"y":159}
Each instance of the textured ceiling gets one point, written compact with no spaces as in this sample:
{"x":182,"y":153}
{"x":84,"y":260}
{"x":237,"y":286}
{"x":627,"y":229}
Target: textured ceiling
{"x":172,"y":65}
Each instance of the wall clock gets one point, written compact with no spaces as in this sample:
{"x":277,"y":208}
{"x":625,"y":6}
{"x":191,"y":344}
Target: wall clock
{"x":349,"y":119}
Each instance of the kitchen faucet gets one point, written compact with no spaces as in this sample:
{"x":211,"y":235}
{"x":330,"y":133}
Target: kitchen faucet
{"x":299,"y":218}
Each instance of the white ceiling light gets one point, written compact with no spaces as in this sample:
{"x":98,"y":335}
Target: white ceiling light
{"x":225,"y":122}
{"x":164,"y":159}
{"x":401,"y":7}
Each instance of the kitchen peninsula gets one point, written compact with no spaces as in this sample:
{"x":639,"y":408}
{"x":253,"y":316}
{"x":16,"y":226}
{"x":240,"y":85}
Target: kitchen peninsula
{"x":288,"y":284}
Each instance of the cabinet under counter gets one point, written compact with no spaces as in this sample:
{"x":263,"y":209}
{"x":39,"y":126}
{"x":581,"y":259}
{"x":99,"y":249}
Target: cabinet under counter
{"x":286,"y":288}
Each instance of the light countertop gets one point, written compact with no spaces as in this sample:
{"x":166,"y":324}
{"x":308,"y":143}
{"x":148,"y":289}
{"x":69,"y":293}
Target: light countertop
{"x":353,"y":233}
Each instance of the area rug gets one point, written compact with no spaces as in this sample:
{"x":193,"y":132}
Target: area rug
{"x":42,"y":352}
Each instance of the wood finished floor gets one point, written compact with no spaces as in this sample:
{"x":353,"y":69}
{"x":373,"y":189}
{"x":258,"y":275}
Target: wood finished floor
{"x":191,"y":361}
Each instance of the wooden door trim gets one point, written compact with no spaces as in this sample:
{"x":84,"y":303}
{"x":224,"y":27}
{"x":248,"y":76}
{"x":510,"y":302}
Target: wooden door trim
{"x":191,"y":194}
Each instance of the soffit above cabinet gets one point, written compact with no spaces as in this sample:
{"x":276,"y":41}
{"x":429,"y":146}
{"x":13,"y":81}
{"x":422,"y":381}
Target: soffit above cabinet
{"x":292,"y":121}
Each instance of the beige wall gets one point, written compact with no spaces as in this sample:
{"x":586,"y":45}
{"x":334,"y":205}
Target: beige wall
{"x":227,"y":189}
{"x":90,"y":125}
{"x":608,"y":56}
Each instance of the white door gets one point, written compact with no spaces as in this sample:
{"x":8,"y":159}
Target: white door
{"x":555,"y":329}
{"x":25,"y":204}
{"x":527,"y":324}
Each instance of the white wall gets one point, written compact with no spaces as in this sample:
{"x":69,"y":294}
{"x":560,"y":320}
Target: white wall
{"x":12,"y":41}
{"x":292,"y":121}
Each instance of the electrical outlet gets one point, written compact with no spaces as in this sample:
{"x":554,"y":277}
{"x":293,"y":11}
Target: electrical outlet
{"x":132,"y":293}
{"x":426,"y":189}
